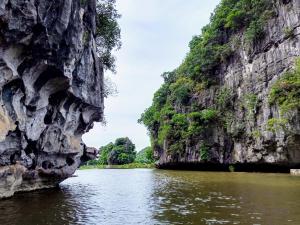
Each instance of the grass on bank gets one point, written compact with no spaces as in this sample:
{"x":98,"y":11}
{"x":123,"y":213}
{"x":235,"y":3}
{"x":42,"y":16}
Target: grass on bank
{"x":125,"y":166}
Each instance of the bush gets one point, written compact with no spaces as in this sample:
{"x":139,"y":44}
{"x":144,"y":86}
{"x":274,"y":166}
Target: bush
{"x":250,"y":103}
{"x":255,"y":32}
{"x":236,"y":19}
{"x":209,"y":115}
{"x":163,"y":133}
{"x":195,"y":124}
{"x":180,"y":121}
{"x":224,"y":98}
{"x":145,"y":156}
{"x":256,"y":134}
{"x":277,"y":124}
{"x":286,"y":91}
{"x":204,"y":152}
{"x":181,"y":91}
{"x":150,"y":118}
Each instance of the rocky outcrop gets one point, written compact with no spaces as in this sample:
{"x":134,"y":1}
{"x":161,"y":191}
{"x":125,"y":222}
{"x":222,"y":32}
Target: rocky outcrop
{"x":51,"y":91}
{"x":248,"y":78}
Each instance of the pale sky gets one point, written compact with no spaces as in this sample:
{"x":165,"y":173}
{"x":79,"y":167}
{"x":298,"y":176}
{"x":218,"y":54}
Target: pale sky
{"x":155,"y":37}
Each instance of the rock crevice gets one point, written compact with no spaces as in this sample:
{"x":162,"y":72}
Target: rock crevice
{"x":248,"y":76}
{"x":51,"y":83}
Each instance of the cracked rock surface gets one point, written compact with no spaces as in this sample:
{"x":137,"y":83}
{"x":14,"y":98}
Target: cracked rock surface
{"x":251,"y":72}
{"x":51,"y":85}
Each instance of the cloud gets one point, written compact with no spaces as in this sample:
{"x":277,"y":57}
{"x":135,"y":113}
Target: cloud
{"x":155,"y":36}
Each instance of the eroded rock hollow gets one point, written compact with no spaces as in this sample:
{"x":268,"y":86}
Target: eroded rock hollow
{"x":51,"y":83}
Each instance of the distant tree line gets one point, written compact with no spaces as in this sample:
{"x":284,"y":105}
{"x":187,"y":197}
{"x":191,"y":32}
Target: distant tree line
{"x":121,"y":152}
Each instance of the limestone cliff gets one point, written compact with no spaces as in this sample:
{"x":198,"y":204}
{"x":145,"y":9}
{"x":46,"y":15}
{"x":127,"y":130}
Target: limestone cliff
{"x":51,"y":85}
{"x":238,"y":133}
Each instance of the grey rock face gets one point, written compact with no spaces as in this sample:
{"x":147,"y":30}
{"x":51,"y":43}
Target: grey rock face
{"x":51,"y":85}
{"x":252,"y":72}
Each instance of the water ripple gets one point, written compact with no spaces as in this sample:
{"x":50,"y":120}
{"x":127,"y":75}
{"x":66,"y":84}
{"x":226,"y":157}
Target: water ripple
{"x":119,"y":197}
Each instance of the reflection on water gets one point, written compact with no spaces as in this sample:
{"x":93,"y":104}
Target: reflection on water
{"x":145,"y":196}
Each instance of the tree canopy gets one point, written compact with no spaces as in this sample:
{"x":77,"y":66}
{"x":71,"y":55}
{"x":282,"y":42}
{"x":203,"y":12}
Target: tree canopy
{"x":145,"y":156}
{"x":108,"y":32}
{"x":118,"y":153}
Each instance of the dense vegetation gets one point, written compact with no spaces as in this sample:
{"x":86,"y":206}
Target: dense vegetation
{"x":118,"y":153}
{"x":121,"y":154}
{"x":175,"y":116}
{"x":108,"y":33}
{"x":286,"y":91}
{"x":145,"y":156}
{"x":286,"y":94}
{"x":133,"y":165}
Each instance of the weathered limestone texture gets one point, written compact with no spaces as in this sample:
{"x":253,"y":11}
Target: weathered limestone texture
{"x":51,"y":85}
{"x":250,"y":74}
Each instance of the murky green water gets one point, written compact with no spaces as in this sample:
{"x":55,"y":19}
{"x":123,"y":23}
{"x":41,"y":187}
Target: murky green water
{"x":145,"y":196}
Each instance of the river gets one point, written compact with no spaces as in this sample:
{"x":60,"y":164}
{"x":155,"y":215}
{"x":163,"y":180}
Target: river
{"x":149,"y":196}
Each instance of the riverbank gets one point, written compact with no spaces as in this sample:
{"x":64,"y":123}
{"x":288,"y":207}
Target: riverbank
{"x":125,"y":166}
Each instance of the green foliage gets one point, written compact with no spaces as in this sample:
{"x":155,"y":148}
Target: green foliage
{"x":177,"y":147}
{"x":277,"y":124}
{"x":250,"y":103}
{"x":286,"y":91}
{"x":227,"y":119}
{"x":231,"y":168}
{"x":160,"y":108}
{"x":196,"y":124}
{"x":177,"y":133}
{"x":181,"y":91}
{"x":160,"y":97}
{"x":235,"y":19}
{"x":224,"y":98}
{"x":209,"y":115}
{"x":150,"y":118}
{"x":256,"y":134}
{"x":134,"y":165}
{"x":251,"y":14}
{"x":119,"y":153}
{"x":169,"y":77}
{"x":179,"y":121}
{"x":93,"y":162}
{"x":238,"y":130}
{"x":174,"y":119}
{"x":255,"y":32}
{"x":108,"y":33}
{"x":211,"y":48}
{"x":289,"y":32}
{"x":164,"y":132}
{"x":145,"y":156}
{"x":204,"y":149}
{"x":104,"y":153}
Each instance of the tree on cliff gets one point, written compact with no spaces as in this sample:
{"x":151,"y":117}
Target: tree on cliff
{"x":145,"y":156}
{"x":118,"y":153}
{"x":177,"y":119}
{"x":108,"y":32}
